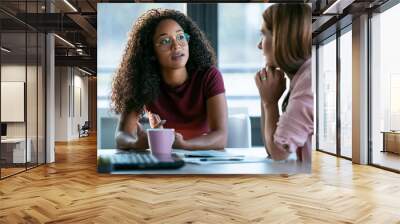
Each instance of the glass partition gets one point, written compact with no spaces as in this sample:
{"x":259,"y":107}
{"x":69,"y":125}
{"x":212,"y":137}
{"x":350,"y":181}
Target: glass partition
{"x":22,"y":64}
{"x":13,"y":105}
{"x":385,"y":89}
{"x":327,"y":96}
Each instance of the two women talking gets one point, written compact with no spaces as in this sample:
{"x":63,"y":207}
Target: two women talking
{"x":169,"y":72}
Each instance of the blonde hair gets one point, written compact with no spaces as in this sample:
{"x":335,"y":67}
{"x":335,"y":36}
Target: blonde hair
{"x":290,"y":25}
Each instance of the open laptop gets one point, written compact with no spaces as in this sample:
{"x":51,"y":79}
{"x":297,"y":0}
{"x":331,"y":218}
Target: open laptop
{"x":3,"y":131}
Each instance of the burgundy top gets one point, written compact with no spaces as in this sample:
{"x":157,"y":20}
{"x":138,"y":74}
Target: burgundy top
{"x":184,"y":107}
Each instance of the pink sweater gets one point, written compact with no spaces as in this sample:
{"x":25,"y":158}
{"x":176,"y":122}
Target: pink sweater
{"x":296,"y":125}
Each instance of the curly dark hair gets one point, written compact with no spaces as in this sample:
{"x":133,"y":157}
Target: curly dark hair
{"x":137,"y":80}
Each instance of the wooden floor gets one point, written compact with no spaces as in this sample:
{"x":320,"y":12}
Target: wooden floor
{"x":10,"y":171}
{"x":387,"y":159}
{"x":5,"y":172}
{"x":70,"y":191}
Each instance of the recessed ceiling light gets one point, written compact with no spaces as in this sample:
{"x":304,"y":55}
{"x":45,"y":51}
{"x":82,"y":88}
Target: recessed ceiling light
{"x":64,"y":40}
{"x":70,"y":5}
{"x":84,"y":71}
{"x":5,"y":50}
{"x":338,"y":6}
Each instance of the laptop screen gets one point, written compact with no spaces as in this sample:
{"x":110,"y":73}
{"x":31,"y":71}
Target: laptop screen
{"x":3,"y":129}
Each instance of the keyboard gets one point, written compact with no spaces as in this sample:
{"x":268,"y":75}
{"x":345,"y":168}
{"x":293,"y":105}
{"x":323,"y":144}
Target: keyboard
{"x":138,"y":161}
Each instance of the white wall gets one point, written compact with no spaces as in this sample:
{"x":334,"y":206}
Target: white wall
{"x":33,"y":127}
{"x":80,"y":96}
{"x":70,"y":83}
{"x":13,"y":73}
{"x":61,"y":103}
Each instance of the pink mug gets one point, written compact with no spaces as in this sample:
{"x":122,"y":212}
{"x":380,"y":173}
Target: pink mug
{"x":161,"y":140}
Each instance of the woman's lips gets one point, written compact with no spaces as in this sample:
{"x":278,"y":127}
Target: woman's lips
{"x":177,"y":56}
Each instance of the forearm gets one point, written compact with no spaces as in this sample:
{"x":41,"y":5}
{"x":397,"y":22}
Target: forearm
{"x":129,"y":141}
{"x":213,"y":140}
{"x":140,"y":142}
{"x":262,"y":126}
{"x":271,"y":120}
{"x":130,"y":135}
{"x":128,"y":122}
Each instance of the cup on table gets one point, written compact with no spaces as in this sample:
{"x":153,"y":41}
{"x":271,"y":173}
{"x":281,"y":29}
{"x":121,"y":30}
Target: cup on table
{"x":161,"y":140}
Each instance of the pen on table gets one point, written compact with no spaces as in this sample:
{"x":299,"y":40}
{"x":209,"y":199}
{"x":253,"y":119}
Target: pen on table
{"x":211,"y":156}
{"x":221,"y":159}
{"x":198,"y":156}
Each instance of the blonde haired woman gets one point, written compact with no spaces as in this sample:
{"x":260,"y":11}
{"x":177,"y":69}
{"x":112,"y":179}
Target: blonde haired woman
{"x":286,"y":44}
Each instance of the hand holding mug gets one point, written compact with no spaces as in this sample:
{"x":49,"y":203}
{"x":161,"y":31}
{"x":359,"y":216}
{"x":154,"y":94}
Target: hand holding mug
{"x":155,"y":120}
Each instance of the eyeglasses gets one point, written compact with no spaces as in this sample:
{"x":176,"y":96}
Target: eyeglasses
{"x":165,"y":43}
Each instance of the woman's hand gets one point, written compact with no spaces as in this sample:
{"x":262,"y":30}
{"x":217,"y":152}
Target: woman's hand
{"x":179,"y":142}
{"x":141,"y":136}
{"x":271,"y":85}
{"x":126,"y":140}
{"x":155,"y":120}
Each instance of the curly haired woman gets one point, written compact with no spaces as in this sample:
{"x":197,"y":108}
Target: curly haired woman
{"x":168,"y":71}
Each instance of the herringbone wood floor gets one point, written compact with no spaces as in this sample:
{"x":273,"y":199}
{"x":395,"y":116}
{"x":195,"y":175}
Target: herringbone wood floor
{"x":70,"y":191}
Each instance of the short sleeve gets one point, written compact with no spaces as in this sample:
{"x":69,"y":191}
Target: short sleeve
{"x":214,"y":83}
{"x":296,"y":124}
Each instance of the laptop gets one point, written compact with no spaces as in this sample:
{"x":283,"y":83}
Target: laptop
{"x":132,"y":160}
{"x":3,"y":131}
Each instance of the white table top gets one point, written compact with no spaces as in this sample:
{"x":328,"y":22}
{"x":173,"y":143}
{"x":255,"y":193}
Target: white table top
{"x":13,"y":140}
{"x":262,"y":166}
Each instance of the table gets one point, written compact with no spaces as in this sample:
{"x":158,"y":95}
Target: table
{"x":391,"y":141}
{"x":267,"y":166}
{"x":13,"y":150}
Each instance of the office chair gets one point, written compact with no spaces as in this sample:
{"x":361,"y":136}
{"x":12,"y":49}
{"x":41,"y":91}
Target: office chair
{"x":84,"y":130}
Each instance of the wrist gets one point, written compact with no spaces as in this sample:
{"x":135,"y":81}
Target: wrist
{"x":184,"y":144}
{"x":269,"y":105}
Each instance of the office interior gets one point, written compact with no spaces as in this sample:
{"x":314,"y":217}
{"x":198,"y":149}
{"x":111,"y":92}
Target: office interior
{"x":48,"y":81}
{"x":357,"y":116}
{"x":54,"y":102}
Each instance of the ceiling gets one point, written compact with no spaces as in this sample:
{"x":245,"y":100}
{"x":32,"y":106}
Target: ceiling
{"x":331,"y":15}
{"x":74,"y":21}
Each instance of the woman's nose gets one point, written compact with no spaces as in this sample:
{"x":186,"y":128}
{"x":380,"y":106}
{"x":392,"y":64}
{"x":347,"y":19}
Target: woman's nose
{"x":260,"y":45}
{"x":175,"y":44}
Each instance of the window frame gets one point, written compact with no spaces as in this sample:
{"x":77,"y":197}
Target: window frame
{"x":334,"y":36}
{"x":379,"y":10}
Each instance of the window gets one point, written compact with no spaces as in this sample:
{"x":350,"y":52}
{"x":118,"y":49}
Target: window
{"x":385,"y":88}
{"x":238,"y":56}
{"x":327,"y":95}
{"x":346,"y":93}
{"x":22,"y":65}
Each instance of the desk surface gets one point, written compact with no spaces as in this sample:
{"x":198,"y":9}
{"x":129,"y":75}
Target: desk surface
{"x":268,"y":166}
{"x":390,"y":132}
{"x":13,"y":140}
